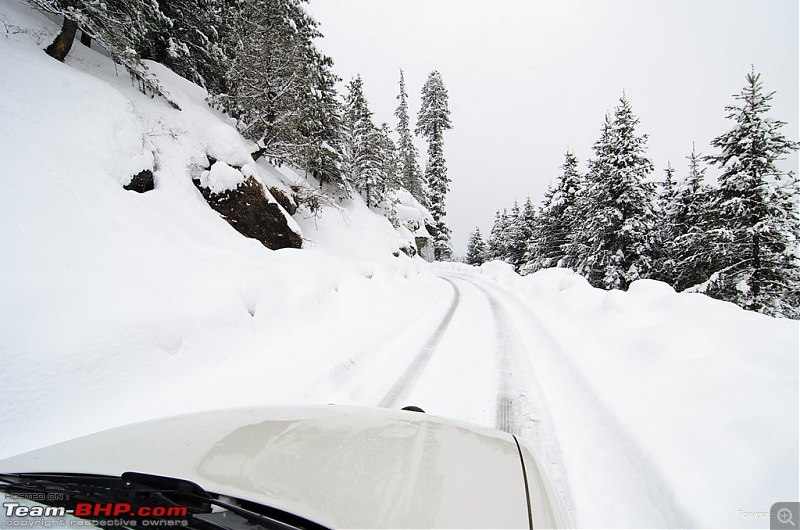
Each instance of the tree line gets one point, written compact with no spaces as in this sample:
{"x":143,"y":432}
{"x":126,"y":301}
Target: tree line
{"x":736,"y":240}
{"x":259,"y":64}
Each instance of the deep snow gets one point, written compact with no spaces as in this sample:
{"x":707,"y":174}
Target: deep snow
{"x":650,"y":408}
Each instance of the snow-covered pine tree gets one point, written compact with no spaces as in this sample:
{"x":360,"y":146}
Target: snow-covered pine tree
{"x":272,"y":74}
{"x":556,"y":220}
{"x":190,"y":43}
{"x":520,"y":231}
{"x":666,"y":229}
{"x":389,"y":182}
{"x":668,"y":189}
{"x":517,"y":239}
{"x":497,"y":247}
{"x":476,"y":248}
{"x":756,"y":227}
{"x":410,"y":174}
{"x":320,"y":125}
{"x":432,"y":121}
{"x":360,"y":143}
{"x":689,"y":216}
{"x":616,"y":236}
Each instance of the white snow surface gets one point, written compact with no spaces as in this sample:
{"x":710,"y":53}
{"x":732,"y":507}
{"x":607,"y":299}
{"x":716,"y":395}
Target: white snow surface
{"x":649,"y":408}
{"x":221,"y":177}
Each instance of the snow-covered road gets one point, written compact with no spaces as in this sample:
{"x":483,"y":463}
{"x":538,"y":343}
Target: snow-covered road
{"x":487,"y":357}
{"x":465,"y":358}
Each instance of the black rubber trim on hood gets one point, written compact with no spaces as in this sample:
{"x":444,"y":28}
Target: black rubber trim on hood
{"x":525,"y":479}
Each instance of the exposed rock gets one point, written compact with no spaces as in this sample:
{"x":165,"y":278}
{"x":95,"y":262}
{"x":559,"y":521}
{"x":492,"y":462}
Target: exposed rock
{"x":432,"y":230}
{"x":425,"y":248}
{"x":248,"y":210}
{"x":258,"y":153}
{"x":288,"y":204}
{"x":424,"y":242}
{"x":412,"y":225}
{"x":141,"y":182}
{"x":409,"y":250}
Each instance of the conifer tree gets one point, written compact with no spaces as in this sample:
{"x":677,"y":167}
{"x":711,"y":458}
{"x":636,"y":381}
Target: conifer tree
{"x":272,"y":75}
{"x":320,"y":125}
{"x":190,"y":41}
{"x":497,"y":248}
{"x":615,"y":241}
{"x":666,"y":229}
{"x":432,"y":121}
{"x":360,"y":143}
{"x":756,"y":227}
{"x":668,"y":189}
{"x":516,"y":244}
{"x":520,"y":231}
{"x":476,"y":248}
{"x":389,"y":177}
{"x":556,"y":221}
{"x":409,"y":171}
{"x":692,"y":248}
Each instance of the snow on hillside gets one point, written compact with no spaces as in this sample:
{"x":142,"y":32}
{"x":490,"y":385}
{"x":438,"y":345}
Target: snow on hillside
{"x":117,"y":306}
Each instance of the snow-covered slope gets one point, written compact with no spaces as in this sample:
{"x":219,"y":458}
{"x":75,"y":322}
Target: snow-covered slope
{"x":117,"y":306}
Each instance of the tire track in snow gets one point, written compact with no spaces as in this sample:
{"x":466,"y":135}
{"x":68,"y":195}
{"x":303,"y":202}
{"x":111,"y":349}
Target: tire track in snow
{"x":662,"y":496}
{"x":349,"y":374}
{"x":512,"y":414}
{"x":415,"y":368}
{"x":520,"y":406}
{"x":507,"y":340}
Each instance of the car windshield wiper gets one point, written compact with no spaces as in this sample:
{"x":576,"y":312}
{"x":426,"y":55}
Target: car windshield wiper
{"x":139,"y":490}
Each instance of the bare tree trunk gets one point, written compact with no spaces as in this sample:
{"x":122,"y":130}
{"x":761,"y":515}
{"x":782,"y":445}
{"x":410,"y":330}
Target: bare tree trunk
{"x":62,"y":44}
{"x":86,"y":40}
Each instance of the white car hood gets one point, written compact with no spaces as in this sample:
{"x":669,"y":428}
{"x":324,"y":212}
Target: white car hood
{"x":339,"y":466}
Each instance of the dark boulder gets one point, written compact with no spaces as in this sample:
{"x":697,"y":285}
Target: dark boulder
{"x":251,"y":213}
{"x":141,"y":182}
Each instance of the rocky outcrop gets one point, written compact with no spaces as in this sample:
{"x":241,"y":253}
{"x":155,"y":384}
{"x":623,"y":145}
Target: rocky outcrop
{"x":423,"y":239}
{"x":248,"y":209}
{"x":424,"y":248}
{"x":141,"y":182}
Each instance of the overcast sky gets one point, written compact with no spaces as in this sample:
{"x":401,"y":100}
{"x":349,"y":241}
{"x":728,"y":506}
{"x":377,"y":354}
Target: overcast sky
{"x":528,"y":80}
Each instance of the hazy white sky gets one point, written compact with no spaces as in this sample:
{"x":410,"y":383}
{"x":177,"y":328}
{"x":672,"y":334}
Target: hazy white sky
{"x":529,"y":79}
